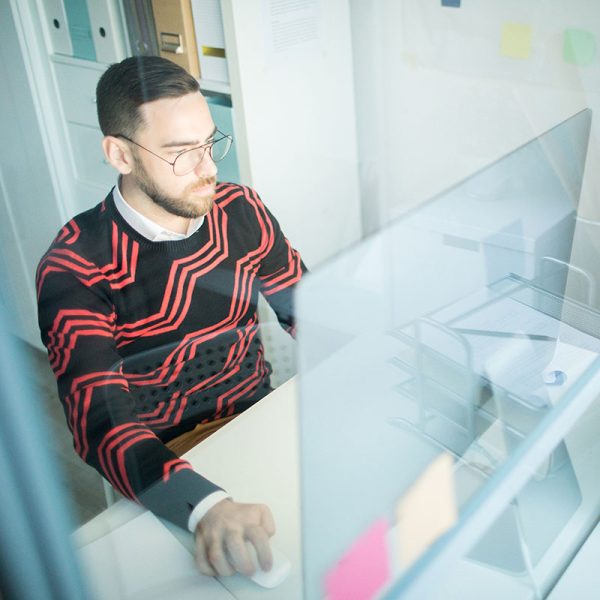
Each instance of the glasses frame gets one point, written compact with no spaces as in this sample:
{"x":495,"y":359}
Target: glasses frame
{"x":205,"y":147}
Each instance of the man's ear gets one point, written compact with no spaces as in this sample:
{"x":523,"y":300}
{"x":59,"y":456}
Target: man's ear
{"x":118,"y":154}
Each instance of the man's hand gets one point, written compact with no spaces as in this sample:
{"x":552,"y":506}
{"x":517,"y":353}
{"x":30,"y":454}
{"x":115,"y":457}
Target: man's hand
{"x":222,"y":534}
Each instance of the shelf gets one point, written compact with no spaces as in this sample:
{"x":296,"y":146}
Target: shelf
{"x":208,"y":85}
{"x":78,"y":62}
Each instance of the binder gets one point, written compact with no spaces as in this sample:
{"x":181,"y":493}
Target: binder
{"x":175,"y":32}
{"x":107,"y":30}
{"x":141,"y":30}
{"x":210,"y":37}
{"x":80,"y":29}
{"x":57,"y":26}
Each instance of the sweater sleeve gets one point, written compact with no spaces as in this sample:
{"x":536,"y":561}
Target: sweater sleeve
{"x":281,"y":266}
{"x":77,"y":323}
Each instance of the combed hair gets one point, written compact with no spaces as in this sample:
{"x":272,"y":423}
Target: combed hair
{"x":125,"y":86}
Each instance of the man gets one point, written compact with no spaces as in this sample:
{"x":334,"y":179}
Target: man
{"x":147,"y":307}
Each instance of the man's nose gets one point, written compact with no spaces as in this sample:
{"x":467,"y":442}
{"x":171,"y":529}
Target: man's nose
{"x":207,"y":166}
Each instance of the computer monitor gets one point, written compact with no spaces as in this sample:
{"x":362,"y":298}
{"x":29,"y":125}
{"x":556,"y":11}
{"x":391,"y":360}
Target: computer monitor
{"x":409,"y":344}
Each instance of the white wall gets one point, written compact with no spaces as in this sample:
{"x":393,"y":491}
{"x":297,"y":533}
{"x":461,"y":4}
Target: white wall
{"x":437,"y":98}
{"x":291,"y":71}
{"x":445,"y":101}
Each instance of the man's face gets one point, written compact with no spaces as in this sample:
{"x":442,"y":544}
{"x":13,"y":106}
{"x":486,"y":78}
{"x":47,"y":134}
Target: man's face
{"x":172,"y":125}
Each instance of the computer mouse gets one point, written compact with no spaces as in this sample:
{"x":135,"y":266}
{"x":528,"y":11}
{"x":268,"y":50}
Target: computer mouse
{"x":276,"y":574}
{"x":267,"y":579}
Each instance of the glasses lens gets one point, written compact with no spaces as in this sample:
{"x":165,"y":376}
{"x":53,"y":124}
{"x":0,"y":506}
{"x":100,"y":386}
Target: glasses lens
{"x":220,"y":148}
{"x":187,"y":161}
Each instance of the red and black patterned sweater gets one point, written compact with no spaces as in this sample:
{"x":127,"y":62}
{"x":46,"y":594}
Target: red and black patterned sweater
{"x":148,"y":339}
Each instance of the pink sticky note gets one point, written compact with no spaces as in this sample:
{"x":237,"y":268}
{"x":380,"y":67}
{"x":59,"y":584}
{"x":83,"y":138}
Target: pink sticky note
{"x":364,"y":569}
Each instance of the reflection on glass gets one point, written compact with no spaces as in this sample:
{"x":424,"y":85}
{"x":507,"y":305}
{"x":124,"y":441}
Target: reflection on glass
{"x":456,"y":331}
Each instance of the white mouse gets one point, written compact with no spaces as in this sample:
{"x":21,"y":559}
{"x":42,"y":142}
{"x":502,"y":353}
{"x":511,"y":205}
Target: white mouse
{"x":276,"y":574}
{"x":268,"y":579}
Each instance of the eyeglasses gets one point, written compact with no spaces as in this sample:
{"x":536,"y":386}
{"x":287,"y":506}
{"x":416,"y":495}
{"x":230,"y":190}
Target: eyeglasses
{"x":188,"y":160}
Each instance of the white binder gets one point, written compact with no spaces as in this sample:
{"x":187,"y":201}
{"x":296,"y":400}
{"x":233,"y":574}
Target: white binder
{"x":107,"y":30}
{"x":57,"y":27}
{"x":210,"y":38}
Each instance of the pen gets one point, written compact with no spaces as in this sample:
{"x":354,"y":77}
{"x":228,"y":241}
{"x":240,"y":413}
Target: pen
{"x":507,"y":334}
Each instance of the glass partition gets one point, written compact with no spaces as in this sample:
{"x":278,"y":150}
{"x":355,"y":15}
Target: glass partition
{"x":456,"y":346}
{"x":444,"y":362}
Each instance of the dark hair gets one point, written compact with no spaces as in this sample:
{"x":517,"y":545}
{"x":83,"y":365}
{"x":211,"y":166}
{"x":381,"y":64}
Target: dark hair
{"x":125,"y":86}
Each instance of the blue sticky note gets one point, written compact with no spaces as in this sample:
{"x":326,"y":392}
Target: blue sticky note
{"x":453,"y":3}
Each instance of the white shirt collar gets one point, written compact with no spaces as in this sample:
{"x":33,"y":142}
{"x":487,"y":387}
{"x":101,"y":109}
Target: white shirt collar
{"x":148,"y":228}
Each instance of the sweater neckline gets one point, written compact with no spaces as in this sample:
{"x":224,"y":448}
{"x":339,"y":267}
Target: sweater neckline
{"x":165,"y":245}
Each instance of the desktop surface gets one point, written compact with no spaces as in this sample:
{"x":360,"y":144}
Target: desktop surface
{"x":254,"y":457}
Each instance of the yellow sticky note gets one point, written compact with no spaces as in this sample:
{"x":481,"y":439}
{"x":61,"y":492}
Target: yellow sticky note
{"x":516,"y":40}
{"x":426,"y":510}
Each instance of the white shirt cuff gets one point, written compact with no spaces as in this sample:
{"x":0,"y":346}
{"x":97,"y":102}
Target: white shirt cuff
{"x":203,"y":507}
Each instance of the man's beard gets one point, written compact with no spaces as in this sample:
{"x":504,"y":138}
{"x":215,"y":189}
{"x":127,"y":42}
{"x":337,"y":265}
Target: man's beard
{"x":180,"y":207}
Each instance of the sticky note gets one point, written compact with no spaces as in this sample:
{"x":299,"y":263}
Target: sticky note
{"x":454,"y":3}
{"x":516,"y":40}
{"x":579,"y":47}
{"x":426,"y":510}
{"x":364,"y":569}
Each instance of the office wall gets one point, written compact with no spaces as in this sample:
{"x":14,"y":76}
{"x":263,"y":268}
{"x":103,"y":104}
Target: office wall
{"x":442,"y":91}
{"x":291,"y":71}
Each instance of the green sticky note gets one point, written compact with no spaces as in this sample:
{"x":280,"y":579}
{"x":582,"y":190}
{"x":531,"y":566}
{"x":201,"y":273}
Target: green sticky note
{"x":516,"y":40}
{"x":579,"y":47}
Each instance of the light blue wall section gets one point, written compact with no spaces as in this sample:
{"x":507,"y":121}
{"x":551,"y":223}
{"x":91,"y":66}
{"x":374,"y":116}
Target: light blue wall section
{"x":222,"y":114}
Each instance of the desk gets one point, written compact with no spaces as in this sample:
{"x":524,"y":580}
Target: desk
{"x":266,"y":435}
{"x":255,"y":458}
